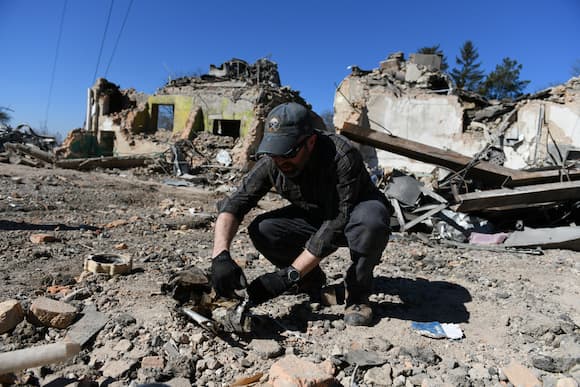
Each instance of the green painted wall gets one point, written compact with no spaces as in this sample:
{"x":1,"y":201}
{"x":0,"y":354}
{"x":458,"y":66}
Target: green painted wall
{"x":229,"y":112}
{"x":181,"y":107}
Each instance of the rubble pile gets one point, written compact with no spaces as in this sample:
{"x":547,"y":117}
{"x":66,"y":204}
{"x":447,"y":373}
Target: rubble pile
{"x":13,"y":140}
{"x":105,"y":274}
{"x":264,"y":71}
{"x":518,"y":321}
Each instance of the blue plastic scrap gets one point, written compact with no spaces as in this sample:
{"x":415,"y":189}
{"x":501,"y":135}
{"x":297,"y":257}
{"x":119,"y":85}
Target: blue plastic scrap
{"x":436,"y":330}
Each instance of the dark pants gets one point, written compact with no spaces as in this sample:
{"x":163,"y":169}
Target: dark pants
{"x":281,"y":235}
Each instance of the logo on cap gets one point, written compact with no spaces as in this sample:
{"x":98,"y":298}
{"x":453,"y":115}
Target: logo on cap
{"x":274,"y":125}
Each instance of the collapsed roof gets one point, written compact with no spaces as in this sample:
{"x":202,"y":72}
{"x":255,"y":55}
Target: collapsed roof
{"x":414,"y":100}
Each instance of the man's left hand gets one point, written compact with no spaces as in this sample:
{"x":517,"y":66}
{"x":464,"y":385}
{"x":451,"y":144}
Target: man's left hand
{"x":268,"y":286}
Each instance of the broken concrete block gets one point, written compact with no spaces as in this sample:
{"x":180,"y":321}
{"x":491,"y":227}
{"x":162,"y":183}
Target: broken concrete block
{"x":156,"y":362}
{"x":293,"y":371}
{"x":11,"y":314}
{"x":390,"y":65}
{"x":51,"y":313}
{"x":42,"y":238}
{"x":431,"y":61}
{"x":519,"y":375}
{"x":412,"y":74}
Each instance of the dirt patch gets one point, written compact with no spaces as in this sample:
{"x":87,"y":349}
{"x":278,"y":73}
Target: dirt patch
{"x":510,"y":306}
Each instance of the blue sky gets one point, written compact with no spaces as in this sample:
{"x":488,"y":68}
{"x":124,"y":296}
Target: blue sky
{"x":313,"y":42}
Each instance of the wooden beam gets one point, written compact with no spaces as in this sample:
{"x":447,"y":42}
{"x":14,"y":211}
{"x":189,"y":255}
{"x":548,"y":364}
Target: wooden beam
{"x":425,"y":153}
{"x":519,"y":196}
{"x":454,"y":161}
{"x":105,"y":162}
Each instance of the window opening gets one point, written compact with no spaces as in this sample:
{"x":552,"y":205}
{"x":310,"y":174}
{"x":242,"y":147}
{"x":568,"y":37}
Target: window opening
{"x":164,"y":117}
{"x":229,"y":128}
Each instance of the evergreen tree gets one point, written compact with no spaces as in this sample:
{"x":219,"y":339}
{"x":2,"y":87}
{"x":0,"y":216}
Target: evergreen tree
{"x":467,"y":76}
{"x":435,"y":50}
{"x":504,"y":81}
{"x":575,"y":70}
{"x":4,"y":116}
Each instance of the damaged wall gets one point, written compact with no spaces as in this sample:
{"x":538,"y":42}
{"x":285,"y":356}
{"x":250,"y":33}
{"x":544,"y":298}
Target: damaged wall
{"x":414,"y":100}
{"x":227,"y":101}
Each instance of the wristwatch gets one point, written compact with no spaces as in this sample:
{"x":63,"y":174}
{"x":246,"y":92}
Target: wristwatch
{"x":293,"y":274}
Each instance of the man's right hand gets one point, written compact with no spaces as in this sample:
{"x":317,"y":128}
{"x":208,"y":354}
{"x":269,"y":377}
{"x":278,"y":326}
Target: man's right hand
{"x":226,"y":275}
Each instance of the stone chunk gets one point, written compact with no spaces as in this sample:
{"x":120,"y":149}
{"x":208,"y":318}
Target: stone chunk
{"x":519,"y":375}
{"x":51,"y":313}
{"x":42,"y":238}
{"x":266,"y":349}
{"x":11,"y":314}
{"x":293,"y":371}
{"x":377,"y":376}
{"x":566,"y":382}
{"x":118,"y":368}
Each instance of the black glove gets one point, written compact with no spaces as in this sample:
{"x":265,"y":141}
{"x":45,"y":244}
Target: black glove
{"x":268,"y":286}
{"x":226,"y":275}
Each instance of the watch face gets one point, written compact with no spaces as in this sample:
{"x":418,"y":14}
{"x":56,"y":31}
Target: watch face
{"x":293,"y":275}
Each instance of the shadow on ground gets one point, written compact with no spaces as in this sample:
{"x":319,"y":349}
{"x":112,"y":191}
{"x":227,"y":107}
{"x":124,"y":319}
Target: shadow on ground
{"x":422,"y":300}
{"x":7,"y":225}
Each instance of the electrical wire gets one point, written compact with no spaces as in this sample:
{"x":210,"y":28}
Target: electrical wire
{"x":54,"y":63}
{"x":118,"y":37}
{"x":103,"y":39}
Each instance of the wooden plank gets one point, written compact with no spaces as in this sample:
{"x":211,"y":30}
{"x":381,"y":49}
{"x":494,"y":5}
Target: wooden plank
{"x":506,"y":197}
{"x":454,"y":161}
{"x":425,"y":153}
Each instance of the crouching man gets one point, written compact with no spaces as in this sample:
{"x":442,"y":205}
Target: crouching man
{"x":333,"y":203}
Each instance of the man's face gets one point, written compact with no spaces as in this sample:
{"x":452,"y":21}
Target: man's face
{"x":293,"y":165}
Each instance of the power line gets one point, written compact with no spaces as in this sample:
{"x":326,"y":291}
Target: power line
{"x":54,"y":63}
{"x":118,"y":37}
{"x":103,"y":40}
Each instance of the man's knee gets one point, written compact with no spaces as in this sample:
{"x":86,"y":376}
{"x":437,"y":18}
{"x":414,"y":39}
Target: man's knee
{"x":368,"y":227}
{"x":258,"y":230}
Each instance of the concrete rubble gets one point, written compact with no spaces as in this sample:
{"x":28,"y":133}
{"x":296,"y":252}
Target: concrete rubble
{"x":469,"y":246}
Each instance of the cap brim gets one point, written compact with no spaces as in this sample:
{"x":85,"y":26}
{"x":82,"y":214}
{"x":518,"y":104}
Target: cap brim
{"x":276,"y":144}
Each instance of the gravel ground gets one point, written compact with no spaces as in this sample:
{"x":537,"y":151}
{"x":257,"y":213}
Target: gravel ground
{"x":512,"y":307}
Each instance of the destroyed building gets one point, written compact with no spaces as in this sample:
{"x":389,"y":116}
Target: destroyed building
{"x":231,"y":100}
{"x":412,"y":99}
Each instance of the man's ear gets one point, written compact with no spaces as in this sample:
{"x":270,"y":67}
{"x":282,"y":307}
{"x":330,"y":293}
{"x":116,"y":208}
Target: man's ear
{"x":311,"y":141}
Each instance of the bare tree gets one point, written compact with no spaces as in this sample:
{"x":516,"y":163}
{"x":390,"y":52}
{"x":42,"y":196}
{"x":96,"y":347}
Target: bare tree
{"x":328,"y":118}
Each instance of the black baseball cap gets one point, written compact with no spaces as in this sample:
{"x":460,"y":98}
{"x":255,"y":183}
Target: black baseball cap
{"x":284,"y":127}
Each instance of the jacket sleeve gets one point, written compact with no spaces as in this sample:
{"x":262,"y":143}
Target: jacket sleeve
{"x":253,"y":187}
{"x":348,"y":169}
